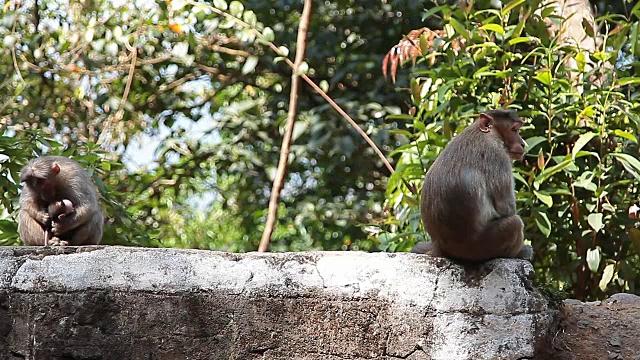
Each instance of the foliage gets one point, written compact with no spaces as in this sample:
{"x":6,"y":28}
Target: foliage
{"x":187,"y":107}
{"x":580,"y":173}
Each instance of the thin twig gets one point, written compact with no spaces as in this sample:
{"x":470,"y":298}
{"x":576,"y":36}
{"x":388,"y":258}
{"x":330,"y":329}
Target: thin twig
{"x":315,"y":87}
{"x":108,"y":128}
{"x":278,"y":181}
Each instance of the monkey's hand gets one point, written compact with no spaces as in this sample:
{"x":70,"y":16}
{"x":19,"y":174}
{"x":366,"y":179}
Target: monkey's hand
{"x":43,"y":217}
{"x":60,"y":227}
{"x":36,"y":213}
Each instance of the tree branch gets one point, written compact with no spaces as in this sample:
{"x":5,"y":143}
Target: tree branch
{"x":278,"y":181}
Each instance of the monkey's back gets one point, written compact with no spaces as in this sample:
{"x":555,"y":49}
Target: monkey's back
{"x":455,"y":203}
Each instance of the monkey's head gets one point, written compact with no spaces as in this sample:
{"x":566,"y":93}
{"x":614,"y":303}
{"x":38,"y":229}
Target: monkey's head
{"x":39,"y":175}
{"x":504,"y":125}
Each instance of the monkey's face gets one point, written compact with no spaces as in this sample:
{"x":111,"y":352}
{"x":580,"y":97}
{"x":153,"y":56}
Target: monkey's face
{"x":35,"y":183}
{"x":40,"y":186}
{"x":513,"y":142}
{"x":40,"y":177}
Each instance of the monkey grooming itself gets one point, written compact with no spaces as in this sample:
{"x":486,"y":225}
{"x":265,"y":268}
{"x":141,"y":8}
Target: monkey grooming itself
{"x":50,"y":180}
{"x":468,"y":202}
{"x":57,"y":212}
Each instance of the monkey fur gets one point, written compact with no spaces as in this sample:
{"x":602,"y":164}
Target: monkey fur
{"x":57,"y":212}
{"x":468,"y":201}
{"x":51,"y":180}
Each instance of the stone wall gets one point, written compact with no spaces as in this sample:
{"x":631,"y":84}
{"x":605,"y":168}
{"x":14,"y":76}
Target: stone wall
{"x":134,"y":303}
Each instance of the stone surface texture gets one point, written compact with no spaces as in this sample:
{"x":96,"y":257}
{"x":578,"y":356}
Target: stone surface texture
{"x":100,"y":302}
{"x":597,"y":330}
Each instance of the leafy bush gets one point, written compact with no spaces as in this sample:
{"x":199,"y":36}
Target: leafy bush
{"x":580,"y":173}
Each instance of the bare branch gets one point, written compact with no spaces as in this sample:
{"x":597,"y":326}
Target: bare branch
{"x":278,"y":181}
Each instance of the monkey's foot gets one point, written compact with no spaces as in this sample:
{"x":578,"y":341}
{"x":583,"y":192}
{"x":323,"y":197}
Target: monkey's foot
{"x":525,"y":253}
{"x":423,"y":248}
{"x":55,"y":241}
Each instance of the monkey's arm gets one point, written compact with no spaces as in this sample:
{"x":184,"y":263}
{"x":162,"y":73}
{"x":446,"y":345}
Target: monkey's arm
{"x":79,"y":217}
{"x":504,"y":199}
{"x":35,"y":211}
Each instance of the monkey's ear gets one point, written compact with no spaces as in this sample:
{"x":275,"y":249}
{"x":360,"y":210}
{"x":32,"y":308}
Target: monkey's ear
{"x":485,"y":123}
{"x":55,"y":169}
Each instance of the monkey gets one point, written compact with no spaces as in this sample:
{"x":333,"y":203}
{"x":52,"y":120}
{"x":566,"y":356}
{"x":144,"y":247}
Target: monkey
{"x":468,"y":202}
{"x":57,"y":212}
{"x":47,"y":181}
{"x":60,"y":209}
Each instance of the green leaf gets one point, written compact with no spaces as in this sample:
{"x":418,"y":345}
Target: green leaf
{"x":636,"y":10}
{"x":625,"y":135}
{"x":493,"y":27}
{"x":633,"y":37}
{"x":602,"y":55}
{"x":548,"y":172}
{"x":220,"y":4}
{"x":250,"y":18}
{"x":593,"y":259}
{"x":629,"y":80}
{"x":581,"y":59}
{"x":630,"y":163}
{"x":434,"y":10}
{"x":519,"y":177}
{"x":585,"y":180}
{"x":249,"y":65}
{"x":543,"y":223}
{"x":547,"y":11}
{"x":268,"y":34}
{"x":607,"y":275}
{"x":523,"y":39}
{"x":582,"y":141}
{"x":595,"y":221}
{"x":533,"y":141}
{"x":546,"y":199}
{"x":544,"y":77}
{"x":459,"y":29}
{"x":236,"y":8}
{"x":415,"y":91}
{"x":507,"y":8}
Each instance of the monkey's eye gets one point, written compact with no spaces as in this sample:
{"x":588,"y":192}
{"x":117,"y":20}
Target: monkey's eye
{"x":36,"y":182}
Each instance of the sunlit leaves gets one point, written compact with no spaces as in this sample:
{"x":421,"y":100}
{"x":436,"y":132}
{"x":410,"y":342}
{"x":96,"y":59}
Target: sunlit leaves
{"x":250,"y":64}
{"x":580,"y":172}
{"x":607,"y":276}
{"x":268,"y":34}
{"x":544,"y":77}
{"x":543,"y":223}
{"x":236,"y":8}
{"x":220,"y":4}
{"x":493,"y":27}
{"x":250,"y":18}
{"x":581,"y":142}
{"x":593,"y":259}
{"x":595,"y":221}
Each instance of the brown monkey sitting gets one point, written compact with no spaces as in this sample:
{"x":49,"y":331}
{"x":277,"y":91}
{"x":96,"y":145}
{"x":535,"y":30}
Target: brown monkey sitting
{"x":57,"y":211}
{"x":52,"y":179}
{"x":468,"y":201}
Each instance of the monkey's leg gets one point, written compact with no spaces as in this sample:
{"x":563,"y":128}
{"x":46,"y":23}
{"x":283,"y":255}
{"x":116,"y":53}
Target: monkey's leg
{"x":501,"y":237}
{"x":89,"y":233}
{"x":427,"y":248}
{"x":31,"y":232}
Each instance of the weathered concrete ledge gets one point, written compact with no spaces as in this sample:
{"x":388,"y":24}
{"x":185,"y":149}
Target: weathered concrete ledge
{"x":135,"y":303}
